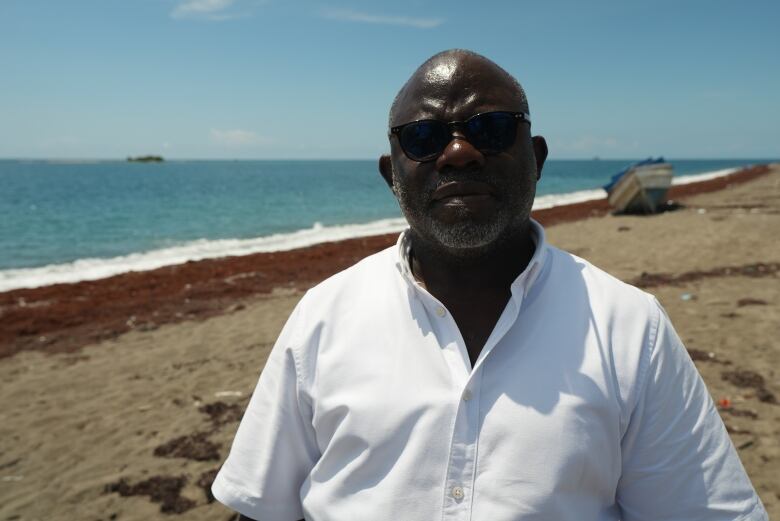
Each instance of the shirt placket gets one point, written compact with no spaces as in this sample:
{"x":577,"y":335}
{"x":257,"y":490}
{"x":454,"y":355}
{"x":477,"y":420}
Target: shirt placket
{"x":459,"y":483}
{"x":460,"y":466}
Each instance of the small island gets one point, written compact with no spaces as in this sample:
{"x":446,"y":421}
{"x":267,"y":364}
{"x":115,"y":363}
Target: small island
{"x":146,"y":159}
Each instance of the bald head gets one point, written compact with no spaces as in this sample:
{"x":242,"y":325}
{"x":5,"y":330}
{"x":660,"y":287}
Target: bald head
{"x":459,"y":70}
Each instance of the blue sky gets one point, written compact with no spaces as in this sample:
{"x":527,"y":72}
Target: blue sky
{"x":284,"y":79}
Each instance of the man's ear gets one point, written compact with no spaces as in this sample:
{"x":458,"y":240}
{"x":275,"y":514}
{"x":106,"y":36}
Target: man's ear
{"x":386,"y":169}
{"x":540,"y":151}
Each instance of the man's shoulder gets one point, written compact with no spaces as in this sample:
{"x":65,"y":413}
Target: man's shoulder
{"x":575,"y":265}
{"x":569,"y":272}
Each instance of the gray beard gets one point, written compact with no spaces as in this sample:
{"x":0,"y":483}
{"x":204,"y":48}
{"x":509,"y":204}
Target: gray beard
{"x":464,"y":237}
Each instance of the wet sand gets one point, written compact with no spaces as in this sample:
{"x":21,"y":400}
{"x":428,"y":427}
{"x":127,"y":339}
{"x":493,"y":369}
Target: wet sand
{"x":121,"y":396}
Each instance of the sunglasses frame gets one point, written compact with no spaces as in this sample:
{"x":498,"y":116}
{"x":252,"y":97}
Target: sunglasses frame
{"x":452,"y":126}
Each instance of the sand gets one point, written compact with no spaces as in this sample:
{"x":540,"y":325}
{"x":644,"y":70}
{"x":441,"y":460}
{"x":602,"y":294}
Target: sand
{"x":113,"y":418}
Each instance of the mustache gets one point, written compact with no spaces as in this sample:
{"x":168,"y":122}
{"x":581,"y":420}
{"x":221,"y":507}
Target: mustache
{"x":478,"y":176}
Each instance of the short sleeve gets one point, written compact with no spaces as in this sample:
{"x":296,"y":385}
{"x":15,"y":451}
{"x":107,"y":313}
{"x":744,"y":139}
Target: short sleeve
{"x":274,"y":449}
{"x":678,"y":461}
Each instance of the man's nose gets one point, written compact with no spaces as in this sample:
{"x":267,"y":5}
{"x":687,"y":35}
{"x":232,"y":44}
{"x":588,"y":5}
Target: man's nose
{"x":460,"y":155}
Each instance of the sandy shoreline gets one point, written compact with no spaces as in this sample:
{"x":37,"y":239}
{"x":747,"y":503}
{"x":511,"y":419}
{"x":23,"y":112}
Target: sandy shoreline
{"x":139,"y":380}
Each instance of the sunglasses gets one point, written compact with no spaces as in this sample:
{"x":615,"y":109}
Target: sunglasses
{"x":489,"y":132}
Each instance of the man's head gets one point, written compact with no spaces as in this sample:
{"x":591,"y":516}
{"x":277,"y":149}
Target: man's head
{"x":469,"y":198}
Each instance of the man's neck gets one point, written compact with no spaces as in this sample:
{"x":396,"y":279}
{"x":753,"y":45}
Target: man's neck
{"x":474,"y":287}
{"x":446,"y":272}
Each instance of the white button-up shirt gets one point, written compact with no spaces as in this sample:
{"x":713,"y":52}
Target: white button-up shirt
{"x":583,"y":405}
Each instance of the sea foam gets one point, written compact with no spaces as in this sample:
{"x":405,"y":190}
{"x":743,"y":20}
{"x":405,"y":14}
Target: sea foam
{"x":687,"y":179}
{"x":98,"y":268}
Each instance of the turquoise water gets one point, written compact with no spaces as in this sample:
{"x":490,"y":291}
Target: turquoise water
{"x":55,"y":212}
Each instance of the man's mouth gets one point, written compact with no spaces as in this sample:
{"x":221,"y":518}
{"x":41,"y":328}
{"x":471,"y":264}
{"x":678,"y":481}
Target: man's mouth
{"x":462,"y":192}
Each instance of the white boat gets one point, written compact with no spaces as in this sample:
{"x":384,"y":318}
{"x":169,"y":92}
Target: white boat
{"x":641,"y":187}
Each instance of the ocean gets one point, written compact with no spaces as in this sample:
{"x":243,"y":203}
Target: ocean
{"x":70,"y":221}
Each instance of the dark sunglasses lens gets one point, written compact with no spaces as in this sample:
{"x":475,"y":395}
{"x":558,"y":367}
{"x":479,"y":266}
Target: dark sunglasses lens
{"x":492,"y":132}
{"x":424,"y":140}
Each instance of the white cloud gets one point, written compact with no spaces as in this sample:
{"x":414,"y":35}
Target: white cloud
{"x":237,"y":138}
{"x":348,"y":15}
{"x":203,"y":9}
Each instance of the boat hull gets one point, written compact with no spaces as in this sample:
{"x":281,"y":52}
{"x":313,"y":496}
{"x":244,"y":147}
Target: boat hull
{"x":642,"y":189}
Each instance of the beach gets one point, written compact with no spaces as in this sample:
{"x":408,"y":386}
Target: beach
{"x":121,"y":395}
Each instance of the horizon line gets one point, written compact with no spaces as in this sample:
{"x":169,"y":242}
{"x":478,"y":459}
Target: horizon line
{"x":233,"y":159}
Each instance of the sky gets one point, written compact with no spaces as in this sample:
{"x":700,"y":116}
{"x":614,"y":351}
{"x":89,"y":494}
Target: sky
{"x":274,"y":79}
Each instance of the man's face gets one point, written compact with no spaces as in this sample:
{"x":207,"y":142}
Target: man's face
{"x":464,"y":201}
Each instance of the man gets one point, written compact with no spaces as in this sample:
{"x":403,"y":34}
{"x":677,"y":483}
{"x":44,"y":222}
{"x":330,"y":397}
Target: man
{"x":474,"y":372}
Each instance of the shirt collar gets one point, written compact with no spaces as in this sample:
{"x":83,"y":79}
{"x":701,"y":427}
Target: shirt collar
{"x":524,"y":281}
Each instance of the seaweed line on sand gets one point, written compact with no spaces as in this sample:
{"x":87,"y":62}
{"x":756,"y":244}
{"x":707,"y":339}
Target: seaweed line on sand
{"x":759,"y":269}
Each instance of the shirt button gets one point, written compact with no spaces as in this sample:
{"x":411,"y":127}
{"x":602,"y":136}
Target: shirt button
{"x":441,"y":311}
{"x":457,"y":492}
{"x":467,"y":395}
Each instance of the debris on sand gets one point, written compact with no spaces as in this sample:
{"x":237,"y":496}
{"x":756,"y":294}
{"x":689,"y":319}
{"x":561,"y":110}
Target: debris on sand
{"x":165,"y":490}
{"x":765,"y":395}
{"x":750,"y":379}
{"x":745,"y":413}
{"x":750,"y":302}
{"x":221,"y":413}
{"x":195,"y":446}
{"x":743,"y":378}
{"x":205,"y":480}
{"x":754,"y":270}
{"x":733,"y":429}
{"x":699,"y":355}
